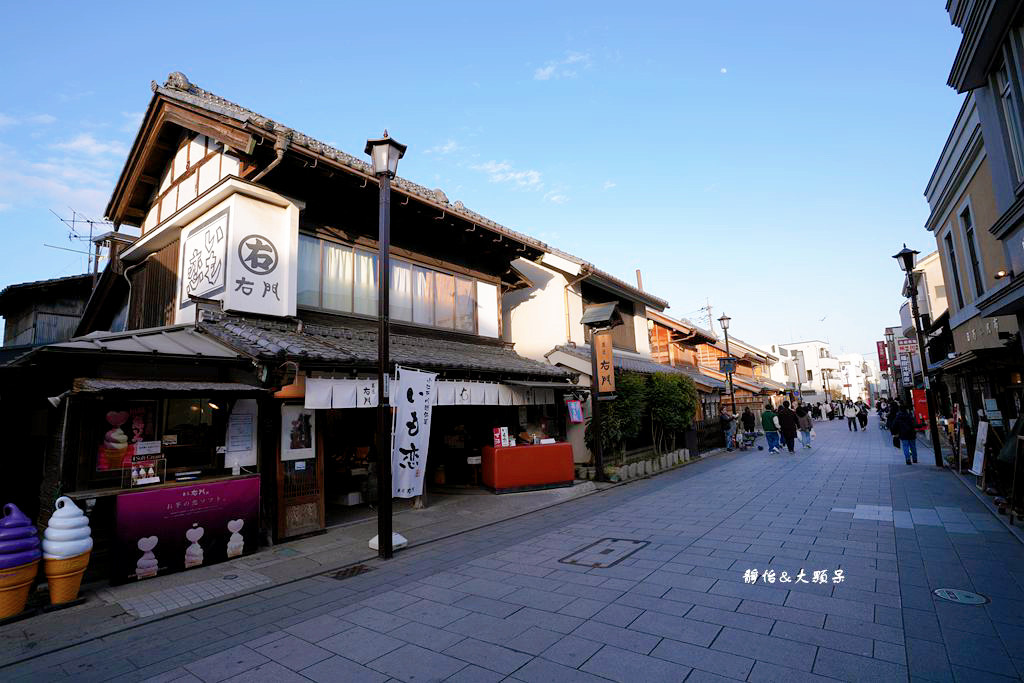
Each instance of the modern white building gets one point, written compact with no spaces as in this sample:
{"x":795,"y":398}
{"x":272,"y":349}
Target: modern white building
{"x":807,"y":367}
{"x":854,"y":376}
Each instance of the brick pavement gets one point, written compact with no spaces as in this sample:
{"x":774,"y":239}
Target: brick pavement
{"x":498,"y":604}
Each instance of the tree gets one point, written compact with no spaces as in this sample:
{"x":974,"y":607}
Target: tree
{"x":622,"y":418}
{"x":672,"y":403}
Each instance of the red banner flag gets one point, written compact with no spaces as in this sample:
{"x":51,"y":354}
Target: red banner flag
{"x":883,"y":358}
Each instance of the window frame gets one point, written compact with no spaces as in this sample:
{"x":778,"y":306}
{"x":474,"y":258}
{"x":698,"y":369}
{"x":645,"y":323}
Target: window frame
{"x":969,"y":237}
{"x":1009,"y":96}
{"x":951,"y":262}
{"x":413,"y":264}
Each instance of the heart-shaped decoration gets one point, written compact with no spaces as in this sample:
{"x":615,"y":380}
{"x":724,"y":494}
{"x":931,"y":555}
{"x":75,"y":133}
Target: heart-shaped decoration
{"x":235,"y":525}
{"x":147,"y":544}
{"x":194,"y":534}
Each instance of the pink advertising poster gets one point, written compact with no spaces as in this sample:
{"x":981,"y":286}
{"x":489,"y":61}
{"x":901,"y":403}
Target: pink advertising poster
{"x":170,"y":529}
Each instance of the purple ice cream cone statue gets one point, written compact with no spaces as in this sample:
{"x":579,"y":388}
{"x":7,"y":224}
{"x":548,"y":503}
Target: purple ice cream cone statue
{"x":19,"y":559}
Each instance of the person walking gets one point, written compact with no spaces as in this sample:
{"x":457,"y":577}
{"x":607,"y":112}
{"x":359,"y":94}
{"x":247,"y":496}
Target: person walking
{"x":787,"y":425}
{"x":728,"y":422}
{"x":748,"y":421}
{"x":770,"y":424}
{"x":805,"y":422}
{"x":850,"y":413}
{"x":828,"y":410}
{"x":862,"y":414}
{"x":904,"y":426}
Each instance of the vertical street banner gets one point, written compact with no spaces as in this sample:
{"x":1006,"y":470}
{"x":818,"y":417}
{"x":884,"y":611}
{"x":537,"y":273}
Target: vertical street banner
{"x":906,"y":372}
{"x":920,"y":408}
{"x":883,"y":360}
{"x":605,"y":362}
{"x":410,"y":434}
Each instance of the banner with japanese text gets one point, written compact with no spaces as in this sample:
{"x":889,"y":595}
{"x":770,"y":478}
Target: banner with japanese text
{"x":883,"y":358}
{"x":605,"y":379}
{"x":410,"y":434}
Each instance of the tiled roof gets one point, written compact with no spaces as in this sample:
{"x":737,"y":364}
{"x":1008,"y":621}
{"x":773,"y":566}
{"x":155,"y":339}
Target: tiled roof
{"x":350,"y":346}
{"x":645,"y":366}
{"x":178,"y":87}
{"x":18,"y":288}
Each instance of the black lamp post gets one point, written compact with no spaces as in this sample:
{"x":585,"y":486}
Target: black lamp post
{"x":385,"y":154}
{"x":724,"y":322}
{"x":906,"y":258}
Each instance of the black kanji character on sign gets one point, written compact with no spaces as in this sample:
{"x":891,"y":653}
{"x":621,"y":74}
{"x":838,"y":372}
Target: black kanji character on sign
{"x":366,"y":396}
{"x":244,"y":285}
{"x":261,"y":258}
{"x":268,"y":288}
{"x":413,"y":425}
{"x":605,"y":365}
{"x":412,"y":457}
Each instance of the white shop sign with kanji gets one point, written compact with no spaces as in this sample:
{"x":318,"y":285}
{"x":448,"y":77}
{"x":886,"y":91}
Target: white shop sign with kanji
{"x":410,"y":433}
{"x":244,"y":253}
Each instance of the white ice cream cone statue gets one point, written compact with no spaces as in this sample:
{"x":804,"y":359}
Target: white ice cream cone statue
{"x":67,"y":543}
{"x":194,"y":553}
{"x":236,"y":543}
{"x":19,"y":560}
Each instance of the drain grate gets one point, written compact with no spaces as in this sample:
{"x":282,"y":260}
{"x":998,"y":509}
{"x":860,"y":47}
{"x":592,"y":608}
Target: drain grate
{"x":960,"y":596}
{"x":349,"y":572}
{"x":604,"y":553}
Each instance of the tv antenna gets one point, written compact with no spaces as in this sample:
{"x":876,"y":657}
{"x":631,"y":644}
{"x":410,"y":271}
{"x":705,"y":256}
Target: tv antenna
{"x":81,"y":228}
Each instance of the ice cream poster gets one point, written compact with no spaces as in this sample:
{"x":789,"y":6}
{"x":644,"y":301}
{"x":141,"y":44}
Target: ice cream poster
{"x":170,"y":529}
{"x":122,"y":427}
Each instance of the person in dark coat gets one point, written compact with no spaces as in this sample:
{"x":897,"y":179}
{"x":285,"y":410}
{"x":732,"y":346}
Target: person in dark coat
{"x":904,"y":426}
{"x":788,"y":425}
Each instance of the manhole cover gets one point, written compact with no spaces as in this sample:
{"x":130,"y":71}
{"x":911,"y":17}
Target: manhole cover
{"x":962,"y":597}
{"x":604,"y":553}
{"x":230,"y":577}
{"x":349,"y":572}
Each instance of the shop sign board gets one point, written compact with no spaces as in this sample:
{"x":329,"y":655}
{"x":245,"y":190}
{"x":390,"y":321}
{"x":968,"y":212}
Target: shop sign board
{"x":906,"y":370}
{"x":410,"y":434}
{"x":170,"y":529}
{"x":978,"y":466}
{"x":605,"y":362}
{"x":242,"y":252}
{"x":575,"y":411}
{"x":906,"y":345}
{"x":883,"y":358}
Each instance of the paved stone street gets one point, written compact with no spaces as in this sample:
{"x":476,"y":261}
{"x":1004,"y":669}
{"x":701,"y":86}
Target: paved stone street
{"x":506,"y":601}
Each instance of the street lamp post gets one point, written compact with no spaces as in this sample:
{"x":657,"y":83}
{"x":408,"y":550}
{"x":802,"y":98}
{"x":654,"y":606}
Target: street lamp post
{"x":906,"y":259}
{"x":385,"y":154}
{"x":724,"y":322}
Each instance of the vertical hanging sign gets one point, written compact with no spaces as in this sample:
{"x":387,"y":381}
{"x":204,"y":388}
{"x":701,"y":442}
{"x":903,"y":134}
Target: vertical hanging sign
{"x":410,"y":434}
{"x":883,"y":360}
{"x":605,"y":362}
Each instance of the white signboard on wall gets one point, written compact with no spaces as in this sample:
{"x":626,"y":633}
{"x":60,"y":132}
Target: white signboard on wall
{"x":203,"y":256}
{"x":414,"y":396}
{"x":242,"y":251}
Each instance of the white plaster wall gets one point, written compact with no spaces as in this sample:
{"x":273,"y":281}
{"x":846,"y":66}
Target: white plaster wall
{"x":534,"y":318}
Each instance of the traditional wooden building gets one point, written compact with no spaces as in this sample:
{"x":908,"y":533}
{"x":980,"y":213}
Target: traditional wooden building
{"x":227,"y":356}
{"x":676,"y":343}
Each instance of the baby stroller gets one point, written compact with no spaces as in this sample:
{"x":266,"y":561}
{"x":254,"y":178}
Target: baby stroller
{"x":746,"y":440}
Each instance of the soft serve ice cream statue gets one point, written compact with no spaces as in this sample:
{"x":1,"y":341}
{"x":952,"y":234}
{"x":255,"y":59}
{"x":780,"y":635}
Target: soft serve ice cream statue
{"x":194,"y":553}
{"x":236,"y":543}
{"x":67,"y":543}
{"x":19,"y":559}
{"x":147,"y":564}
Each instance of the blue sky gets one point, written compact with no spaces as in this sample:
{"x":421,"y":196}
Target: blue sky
{"x":768,"y":157}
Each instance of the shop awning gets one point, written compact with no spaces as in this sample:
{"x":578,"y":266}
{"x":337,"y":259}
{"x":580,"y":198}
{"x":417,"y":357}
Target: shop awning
{"x":91,"y":385}
{"x":541,"y":385}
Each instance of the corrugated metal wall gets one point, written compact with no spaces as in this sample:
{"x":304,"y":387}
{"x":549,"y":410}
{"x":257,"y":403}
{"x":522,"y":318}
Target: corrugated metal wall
{"x":153,"y":290}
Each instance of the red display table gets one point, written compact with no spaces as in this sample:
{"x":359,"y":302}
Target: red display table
{"x":522,"y":468}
